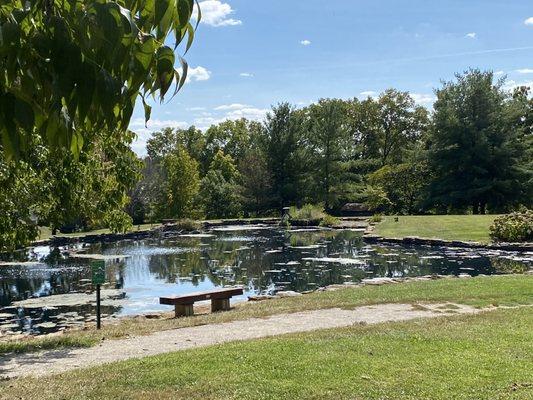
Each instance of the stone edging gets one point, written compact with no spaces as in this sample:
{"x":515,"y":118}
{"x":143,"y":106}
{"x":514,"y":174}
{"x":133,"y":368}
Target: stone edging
{"x":415,"y":240}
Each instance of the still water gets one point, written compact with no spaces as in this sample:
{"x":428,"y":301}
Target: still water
{"x":262,"y":259}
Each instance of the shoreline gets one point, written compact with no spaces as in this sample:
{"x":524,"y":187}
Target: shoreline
{"x":368,"y":236}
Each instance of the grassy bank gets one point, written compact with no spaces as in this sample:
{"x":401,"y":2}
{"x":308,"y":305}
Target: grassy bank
{"x":474,"y":228}
{"x":486,"y":356}
{"x":45,"y":233}
{"x":480,"y":291}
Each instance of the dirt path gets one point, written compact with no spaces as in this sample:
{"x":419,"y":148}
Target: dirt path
{"x":48,"y":362}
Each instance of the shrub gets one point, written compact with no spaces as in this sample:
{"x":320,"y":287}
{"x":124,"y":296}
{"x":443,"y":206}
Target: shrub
{"x":187,"y":224}
{"x":118,"y":221}
{"x":329,"y":221}
{"x":308,"y":212}
{"x":311,"y":214}
{"x":376,"y":218}
{"x":514,"y":227}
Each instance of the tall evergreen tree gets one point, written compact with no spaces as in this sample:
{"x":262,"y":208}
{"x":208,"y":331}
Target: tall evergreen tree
{"x":328,"y":135}
{"x":283,"y":143}
{"x":475,"y":152}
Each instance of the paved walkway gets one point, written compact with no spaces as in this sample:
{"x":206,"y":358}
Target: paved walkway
{"x":55,"y":361}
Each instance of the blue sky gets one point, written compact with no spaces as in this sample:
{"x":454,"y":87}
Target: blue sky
{"x":249,"y":55}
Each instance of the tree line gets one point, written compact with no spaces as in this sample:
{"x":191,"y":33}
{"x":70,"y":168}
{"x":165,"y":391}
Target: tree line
{"x":471,"y":153}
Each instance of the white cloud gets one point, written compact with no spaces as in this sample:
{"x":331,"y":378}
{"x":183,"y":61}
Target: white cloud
{"x":205,"y":122}
{"x":195,"y":108}
{"x":499,"y":73}
{"x":423,"y":99}
{"x":529,"y":21}
{"x":246,"y":75}
{"x":525,"y":71}
{"x":471,"y":35}
{"x":230,"y":107}
{"x":368,"y":93}
{"x":198,"y":74}
{"x":155,"y":124}
{"x":511,"y":85}
{"x":255,"y":114}
{"x":305,"y":42}
{"x":216,"y":13}
{"x":238,"y":111}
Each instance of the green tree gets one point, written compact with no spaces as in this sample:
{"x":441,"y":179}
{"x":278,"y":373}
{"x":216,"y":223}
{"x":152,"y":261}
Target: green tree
{"x":234,"y":138}
{"x":168,"y":139}
{"x":388,"y":126}
{"x":219,"y":190}
{"x":180,"y":187}
{"x":475,"y":152}
{"x":90,"y":190}
{"x":256,"y":182}
{"x":403,"y":186}
{"x":328,"y":133}
{"x":71,"y":67}
{"x":284,"y":147}
{"x":23,"y":193}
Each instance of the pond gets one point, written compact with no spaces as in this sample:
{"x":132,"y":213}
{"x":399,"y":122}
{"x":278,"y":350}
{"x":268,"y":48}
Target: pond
{"x":48,"y":291}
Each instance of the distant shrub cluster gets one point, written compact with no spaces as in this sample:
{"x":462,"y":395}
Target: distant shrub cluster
{"x":310,"y":214}
{"x":187,"y":224}
{"x":514,"y":227}
{"x":376,"y":218}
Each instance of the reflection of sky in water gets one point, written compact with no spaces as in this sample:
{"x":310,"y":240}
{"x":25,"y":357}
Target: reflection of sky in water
{"x":263,"y":260}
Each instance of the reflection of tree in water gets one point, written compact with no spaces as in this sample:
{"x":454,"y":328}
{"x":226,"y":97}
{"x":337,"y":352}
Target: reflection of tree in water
{"x":19,"y":283}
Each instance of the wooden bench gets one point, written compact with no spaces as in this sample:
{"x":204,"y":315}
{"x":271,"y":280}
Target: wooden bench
{"x":183,"y":305}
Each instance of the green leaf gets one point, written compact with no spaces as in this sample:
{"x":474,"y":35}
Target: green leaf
{"x":165,"y":68}
{"x":185,"y":68}
{"x":184,"y":8}
{"x":145,"y":54}
{"x":147,"y":112}
{"x":76,"y":143}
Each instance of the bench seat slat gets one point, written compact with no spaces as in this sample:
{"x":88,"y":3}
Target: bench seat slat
{"x":190,"y":298}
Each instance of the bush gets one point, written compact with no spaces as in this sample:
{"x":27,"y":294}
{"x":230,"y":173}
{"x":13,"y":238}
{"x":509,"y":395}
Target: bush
{"x":329,"y":221}
{"x":308,"y":212}
{"x":514,"y":227}
{"x":376,"y":218}
{"x":187,"y":224}
{"x":311,"y":215}
{"x":118,"y":221}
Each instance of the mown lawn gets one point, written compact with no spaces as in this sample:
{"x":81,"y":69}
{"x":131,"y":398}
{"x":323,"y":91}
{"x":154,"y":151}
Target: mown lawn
{"x":506,"y":290}
{"x":474,"y":228}
{"x":486,"y":356}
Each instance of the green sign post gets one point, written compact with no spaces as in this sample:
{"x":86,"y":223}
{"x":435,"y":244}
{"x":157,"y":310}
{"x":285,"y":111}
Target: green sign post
{"x":98,"y":278}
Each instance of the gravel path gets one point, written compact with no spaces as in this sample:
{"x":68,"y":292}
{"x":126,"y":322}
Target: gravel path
{"x":55,"y":361}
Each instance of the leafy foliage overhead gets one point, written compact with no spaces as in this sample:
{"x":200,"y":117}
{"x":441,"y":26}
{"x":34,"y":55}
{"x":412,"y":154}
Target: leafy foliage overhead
{"x":73,"y":66}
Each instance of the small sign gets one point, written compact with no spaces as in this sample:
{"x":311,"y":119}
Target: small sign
{"x":98,"y":270}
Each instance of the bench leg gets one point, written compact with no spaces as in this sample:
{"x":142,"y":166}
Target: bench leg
{"x":219,"y":305}
{"x":183,"y":310}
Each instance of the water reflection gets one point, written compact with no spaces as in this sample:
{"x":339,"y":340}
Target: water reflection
{"x":263,"y":260}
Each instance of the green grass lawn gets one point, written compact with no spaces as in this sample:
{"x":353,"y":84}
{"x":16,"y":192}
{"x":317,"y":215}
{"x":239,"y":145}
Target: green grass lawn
{"x":473,"y":228}
{"x":481,"y":291}
{"x":484,"y":356}
{"x":46,"y":233}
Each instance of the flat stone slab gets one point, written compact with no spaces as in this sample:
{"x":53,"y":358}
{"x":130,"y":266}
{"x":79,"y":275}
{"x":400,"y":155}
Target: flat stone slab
{"x":104,"y":257}
{"x":72,"y":299}
{"x":333,"y":260}
{"x":20,"y":263}
{"x":239,"y":228}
